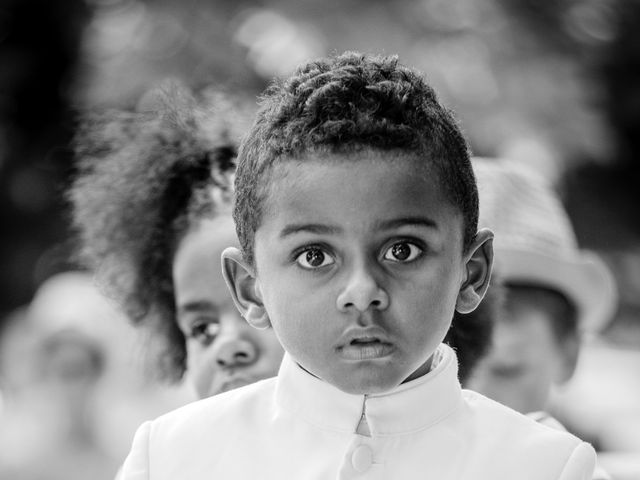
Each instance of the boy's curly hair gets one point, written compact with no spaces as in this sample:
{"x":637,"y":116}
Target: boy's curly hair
{"x":341,"y":105}
{"x":143,"y":179}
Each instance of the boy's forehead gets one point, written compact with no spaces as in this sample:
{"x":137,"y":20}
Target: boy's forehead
{"x":323,"y":160}
{"x":287,"y":172}
{"x":410,"y":185}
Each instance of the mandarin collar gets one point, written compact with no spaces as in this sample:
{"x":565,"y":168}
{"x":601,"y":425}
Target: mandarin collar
{"x":412,"y":406}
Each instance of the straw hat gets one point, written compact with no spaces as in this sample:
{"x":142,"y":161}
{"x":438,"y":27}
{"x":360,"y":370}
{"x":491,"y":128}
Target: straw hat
{"x":535,"y":243}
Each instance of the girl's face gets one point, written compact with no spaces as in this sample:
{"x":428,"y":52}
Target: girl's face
{"x":223,"y":351}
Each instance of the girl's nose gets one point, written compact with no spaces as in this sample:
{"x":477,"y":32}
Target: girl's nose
{"x":236,"y":351}
{"x":362,"y":292}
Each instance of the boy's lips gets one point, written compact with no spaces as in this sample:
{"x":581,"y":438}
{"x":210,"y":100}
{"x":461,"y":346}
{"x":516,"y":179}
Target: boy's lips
{"x":364,"y":343}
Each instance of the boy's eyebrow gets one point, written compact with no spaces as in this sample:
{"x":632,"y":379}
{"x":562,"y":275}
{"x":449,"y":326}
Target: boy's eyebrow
{"x":317,"y":228}
{"x":417,"y":221}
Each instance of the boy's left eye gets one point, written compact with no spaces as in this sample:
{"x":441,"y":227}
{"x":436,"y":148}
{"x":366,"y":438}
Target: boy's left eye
{"x":402,"y":252}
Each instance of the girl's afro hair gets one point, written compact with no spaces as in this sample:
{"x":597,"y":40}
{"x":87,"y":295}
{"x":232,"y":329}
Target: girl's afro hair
{"x":143,"y":178}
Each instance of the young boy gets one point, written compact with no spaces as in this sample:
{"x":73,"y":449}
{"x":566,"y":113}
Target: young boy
{"x":356,"y":210}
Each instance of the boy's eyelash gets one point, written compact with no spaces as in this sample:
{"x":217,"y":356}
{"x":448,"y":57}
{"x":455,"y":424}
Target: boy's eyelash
{"x":414,"y":241}
{"x":417,"y":243}
{"x":313,"y":246}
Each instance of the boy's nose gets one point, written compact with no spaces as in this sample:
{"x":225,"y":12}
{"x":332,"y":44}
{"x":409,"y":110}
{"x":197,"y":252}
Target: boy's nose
{"x":236,"y":351}
{"x":362,"y":292}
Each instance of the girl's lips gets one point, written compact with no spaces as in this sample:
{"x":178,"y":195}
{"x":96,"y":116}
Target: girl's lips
{"x":233,"y":383}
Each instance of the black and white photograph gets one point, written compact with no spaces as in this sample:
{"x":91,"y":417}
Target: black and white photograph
{"x":319,"y":240}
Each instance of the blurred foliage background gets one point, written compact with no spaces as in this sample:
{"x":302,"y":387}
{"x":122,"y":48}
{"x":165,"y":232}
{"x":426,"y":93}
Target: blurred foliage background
{"x":552,"y":84}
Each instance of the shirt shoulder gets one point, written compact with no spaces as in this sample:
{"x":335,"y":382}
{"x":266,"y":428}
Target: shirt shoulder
{"x":185,"y":442}
{"x":555,"y":453}
{"x":488,"y":412}
{"x":218,"y":409}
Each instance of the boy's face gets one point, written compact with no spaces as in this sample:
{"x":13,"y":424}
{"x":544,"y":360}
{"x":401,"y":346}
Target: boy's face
{"x":223,"y":351}
{"x":359,"y":262}
{"x":526,"y":359}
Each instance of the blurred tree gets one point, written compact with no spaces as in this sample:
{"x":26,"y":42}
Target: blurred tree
{"x":607,"y":194}
{"x":621,"y":76}
{"x":554,"y":80}
{"x":39,"y":41}
{"x":602,"y":198}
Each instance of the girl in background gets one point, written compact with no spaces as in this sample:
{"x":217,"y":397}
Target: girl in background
{"x":151,"y":203}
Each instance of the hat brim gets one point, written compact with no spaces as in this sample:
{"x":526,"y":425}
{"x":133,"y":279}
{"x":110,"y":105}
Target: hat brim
{"x":585,"y":280}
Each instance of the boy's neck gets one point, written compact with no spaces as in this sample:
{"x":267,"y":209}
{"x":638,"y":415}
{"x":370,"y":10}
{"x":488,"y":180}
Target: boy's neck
{"x":425,"y":368}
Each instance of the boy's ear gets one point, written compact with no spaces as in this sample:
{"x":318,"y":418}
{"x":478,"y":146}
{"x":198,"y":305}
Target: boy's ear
{"x":478,"y":264}
{"x":244,"y":289}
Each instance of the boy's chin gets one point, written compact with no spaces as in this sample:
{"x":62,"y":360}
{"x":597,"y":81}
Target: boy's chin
{"x":370,"y":378}
{"x":369,"y":386}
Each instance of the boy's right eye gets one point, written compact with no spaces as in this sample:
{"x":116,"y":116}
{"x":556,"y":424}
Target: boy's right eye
{"x":313,"y":258}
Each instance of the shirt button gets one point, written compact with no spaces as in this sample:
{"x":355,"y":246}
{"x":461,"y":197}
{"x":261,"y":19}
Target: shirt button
{"x":362,"y":458}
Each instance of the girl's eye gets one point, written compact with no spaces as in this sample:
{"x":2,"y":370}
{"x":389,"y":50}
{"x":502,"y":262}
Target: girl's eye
{"x":204,"y":331}
{"x":314,"y":258}
{"x":402,"y":252}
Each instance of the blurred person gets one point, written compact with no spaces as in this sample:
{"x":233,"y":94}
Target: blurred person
{"x":53,"y":355}
{"x":470,"y":334}
{"x":152,"y":206}
{"x":554,"y":292}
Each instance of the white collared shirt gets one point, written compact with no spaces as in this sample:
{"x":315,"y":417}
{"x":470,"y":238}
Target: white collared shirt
{"x":296,"y":426}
